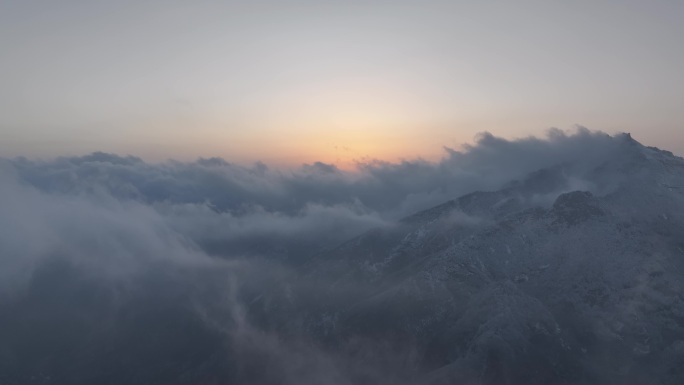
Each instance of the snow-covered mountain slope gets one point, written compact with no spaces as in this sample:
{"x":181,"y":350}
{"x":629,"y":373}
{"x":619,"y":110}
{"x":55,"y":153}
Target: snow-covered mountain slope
{"x":574,"y":275}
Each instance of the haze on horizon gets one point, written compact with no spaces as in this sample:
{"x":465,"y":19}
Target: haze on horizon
{"x":289,"y":82}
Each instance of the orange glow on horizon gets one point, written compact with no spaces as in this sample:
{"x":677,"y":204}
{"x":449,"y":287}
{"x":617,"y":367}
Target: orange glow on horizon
{"x":344,"y":150}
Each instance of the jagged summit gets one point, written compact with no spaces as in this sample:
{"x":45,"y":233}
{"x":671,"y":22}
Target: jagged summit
{"x":627,"y":137}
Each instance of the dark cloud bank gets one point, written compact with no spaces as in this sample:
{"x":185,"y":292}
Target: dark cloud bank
{"x":118,"y":271}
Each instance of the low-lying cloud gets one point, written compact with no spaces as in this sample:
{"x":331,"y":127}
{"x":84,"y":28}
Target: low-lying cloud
{"x":206,"y":232}
{"x":219,"y":200}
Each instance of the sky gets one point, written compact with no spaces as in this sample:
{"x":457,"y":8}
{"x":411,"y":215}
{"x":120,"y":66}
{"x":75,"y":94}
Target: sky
{"x":292,"y":82}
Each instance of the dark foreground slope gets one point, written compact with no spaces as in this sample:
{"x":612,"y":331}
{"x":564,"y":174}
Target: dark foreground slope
{"x":572,"y":275}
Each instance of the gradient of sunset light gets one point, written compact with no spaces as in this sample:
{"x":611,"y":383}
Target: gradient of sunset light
{"x":291,"y":82}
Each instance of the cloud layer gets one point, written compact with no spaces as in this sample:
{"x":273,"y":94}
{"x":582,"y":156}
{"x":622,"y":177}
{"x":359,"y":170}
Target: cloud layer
{"x":216,"y":202}
{"x":147,"y":236}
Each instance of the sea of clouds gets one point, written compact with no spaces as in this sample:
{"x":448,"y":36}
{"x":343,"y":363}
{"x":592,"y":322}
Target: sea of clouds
{"x":194,"y":234}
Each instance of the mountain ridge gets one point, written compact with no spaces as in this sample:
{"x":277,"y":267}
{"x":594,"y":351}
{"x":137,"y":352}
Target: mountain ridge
{"x":584,"y":256}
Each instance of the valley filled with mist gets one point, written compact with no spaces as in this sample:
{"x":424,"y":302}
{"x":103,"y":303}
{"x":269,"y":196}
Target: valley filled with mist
{"x":553,"y":260}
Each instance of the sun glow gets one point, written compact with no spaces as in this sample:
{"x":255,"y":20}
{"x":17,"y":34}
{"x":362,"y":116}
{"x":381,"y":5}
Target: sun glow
{"x":343,"y":122}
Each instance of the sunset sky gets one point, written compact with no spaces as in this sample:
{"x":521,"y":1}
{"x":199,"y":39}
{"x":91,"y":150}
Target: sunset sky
{"x":288,"y":82}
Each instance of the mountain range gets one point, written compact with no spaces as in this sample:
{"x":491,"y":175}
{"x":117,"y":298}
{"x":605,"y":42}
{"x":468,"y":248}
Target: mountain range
{"x":572,"y":274}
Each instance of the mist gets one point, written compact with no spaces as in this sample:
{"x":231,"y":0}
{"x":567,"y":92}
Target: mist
{"x":213,"y":201}
{"x":115,"y":270}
